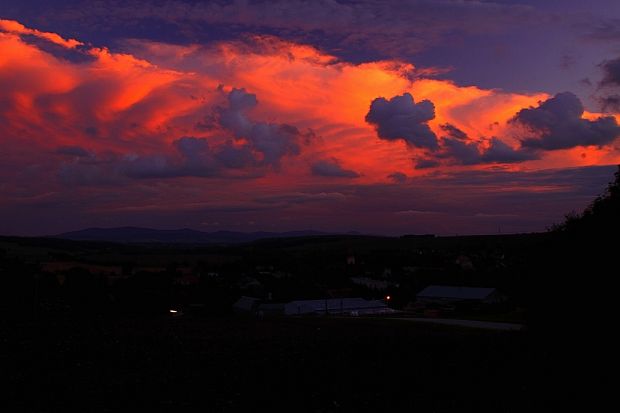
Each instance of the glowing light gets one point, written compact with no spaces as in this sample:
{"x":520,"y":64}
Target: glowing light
{"x":173,"y":311}
{"x":388,"y":297}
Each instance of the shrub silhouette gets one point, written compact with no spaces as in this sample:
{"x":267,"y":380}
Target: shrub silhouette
{"x":601,"y":216}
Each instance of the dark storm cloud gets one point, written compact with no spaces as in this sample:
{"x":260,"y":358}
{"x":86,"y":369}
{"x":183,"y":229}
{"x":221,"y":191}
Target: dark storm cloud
{"x":458,"y":149}
{"x":273,"y":141}
{"x":260,"y":146}
{"x":465,"y":153}
{"x":332,"y":168}
{"x":453,"y":131}
{"x":401,"y":118}
{"x":425,"y":163}
{"x":155,"y":166}
{"x":499,"y":152}
{"x":557,"y":123}
{"x":611,"y":72}
{"x":361,"y":28}
{"x":77,"y":151}
{"x":194,"y":157}
{"x":235,"y":157}
{"x":609,"y":85}
{"x":610,"y":103}
{"x":398,"y":177}
{"x":197,"y":158}
{"x":102,"y":170}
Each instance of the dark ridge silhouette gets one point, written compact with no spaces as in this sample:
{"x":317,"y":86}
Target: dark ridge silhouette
{"x":573,"y":291}
{"x":177,"y":236}
{"x":601,"y":216}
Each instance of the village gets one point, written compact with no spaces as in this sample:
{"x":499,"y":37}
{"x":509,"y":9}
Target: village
{"x":328,"y":319}
{"x":415,"y":277}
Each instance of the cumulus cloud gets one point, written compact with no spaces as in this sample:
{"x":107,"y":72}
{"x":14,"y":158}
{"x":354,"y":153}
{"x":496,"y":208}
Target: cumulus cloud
{"x":425,"y":163}
{"x":398,"y":177}
{"x":558,"y":123}
{"x":332,"y":168}
{"x":197,"y":157}
{"x":235,"y":156}
{"x":610,"y":103}
{"x":500,"y":152}
{"x":153,"y":166}
{"x":611,"y":72}
{"x":273,"y":141}
{"x":135,"y":119}
{"x":465,"y":153}
{"x":496,"y":151}
{"x":73,"y":150}
{"x":136,"y":106}
{"x":608,"y":86}
{"x":256,"y":146}
{"x":458,"y":149}
{"x":194,"y":157}
{"x":401,"y":118}
{"x":453,"y":131}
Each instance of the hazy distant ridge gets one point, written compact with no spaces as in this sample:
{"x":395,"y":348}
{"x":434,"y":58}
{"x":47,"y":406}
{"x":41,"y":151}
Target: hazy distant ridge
{"x":176,"y":236}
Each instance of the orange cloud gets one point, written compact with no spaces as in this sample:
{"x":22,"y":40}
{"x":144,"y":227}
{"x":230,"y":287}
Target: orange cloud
{"x":11,"y":26}
{"x":140,"y":101}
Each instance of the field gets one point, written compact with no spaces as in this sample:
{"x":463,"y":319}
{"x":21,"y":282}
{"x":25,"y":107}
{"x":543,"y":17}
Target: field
{"x":72,"y":339}
{"x":294,"y":364}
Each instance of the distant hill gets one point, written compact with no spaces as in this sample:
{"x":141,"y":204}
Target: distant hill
{"x":176,"y":236}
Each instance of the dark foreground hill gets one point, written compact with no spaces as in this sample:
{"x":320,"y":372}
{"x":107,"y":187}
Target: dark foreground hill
{"x":295,"y":365}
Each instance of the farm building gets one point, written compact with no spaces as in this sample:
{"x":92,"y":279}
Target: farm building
{"x":349,"y":306}
{"x":441,"y":294}
{"x":370,"y":283}
{"x":247,"y":305}
{"x":270,"y":309}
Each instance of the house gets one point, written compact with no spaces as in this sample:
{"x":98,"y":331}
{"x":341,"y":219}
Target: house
{"x":465,"y":262}
{"x":343,"y":306}
{"x":371,"y":284}
{"x":340,"y":292}
{"x":151,"y":269}
{"x":246,"y":305}
{"x":450,"y":295}
{"x":187,"y":280}
{"x":64,"y":266}
{"x":247,"y":283}
{"x":270,"y":309}
{"x":264,"y":269}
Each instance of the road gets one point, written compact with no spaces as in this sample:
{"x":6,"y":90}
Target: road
{"x":467,"y":323}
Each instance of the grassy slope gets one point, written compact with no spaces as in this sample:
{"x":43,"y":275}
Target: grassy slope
{"x":229,"y":364}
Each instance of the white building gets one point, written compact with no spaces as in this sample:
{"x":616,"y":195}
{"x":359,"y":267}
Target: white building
{"x":348,"y":306}
{"x":445,"y":294}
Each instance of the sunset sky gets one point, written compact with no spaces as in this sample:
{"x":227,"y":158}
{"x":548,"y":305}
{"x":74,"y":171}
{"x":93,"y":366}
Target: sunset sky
{"x":446,"y":117}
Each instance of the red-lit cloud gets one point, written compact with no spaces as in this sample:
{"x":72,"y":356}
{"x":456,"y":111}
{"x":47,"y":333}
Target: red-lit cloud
{"x":11,"y":26}
{"x":224,"y":125}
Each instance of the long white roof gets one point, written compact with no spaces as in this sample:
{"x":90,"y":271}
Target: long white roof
{"x":462,"y":293}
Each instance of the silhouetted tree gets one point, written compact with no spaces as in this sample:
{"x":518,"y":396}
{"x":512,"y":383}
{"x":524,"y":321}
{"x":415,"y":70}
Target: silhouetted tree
{"x":601,"y":216}
{"x":572,"y":293}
